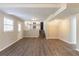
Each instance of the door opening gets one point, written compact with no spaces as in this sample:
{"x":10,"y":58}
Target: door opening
{"x":41,"y":31}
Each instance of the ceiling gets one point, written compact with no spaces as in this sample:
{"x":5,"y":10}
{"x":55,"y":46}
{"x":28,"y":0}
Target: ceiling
{"x":67,"y":12}
{"x":72,"y":9}
{"x":39,"y":11}
{"x":29,"y":11}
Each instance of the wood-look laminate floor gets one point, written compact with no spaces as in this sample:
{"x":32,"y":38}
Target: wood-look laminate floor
{"x":39,"y":47}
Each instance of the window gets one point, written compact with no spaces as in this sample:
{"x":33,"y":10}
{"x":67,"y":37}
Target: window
{"x":8,"y":24}
{"x":19,"y":27}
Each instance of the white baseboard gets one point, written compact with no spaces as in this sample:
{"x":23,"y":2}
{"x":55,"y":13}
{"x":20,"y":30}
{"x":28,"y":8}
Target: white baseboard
{"x":77,"y":49}
{"x":67,"y":41}
{"x":52,"y":38}
{"x":9,"y":45}
{"x":31,"y":36}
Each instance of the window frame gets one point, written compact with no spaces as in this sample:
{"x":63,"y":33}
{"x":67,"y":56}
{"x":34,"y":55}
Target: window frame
{"x":8,"y":25}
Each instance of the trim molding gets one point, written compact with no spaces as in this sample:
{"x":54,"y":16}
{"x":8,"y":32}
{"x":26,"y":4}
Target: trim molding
{"x":67,"y":41}
{"x":31,"y":36}
{"x":77,"y":49}
{"x":52,"y":38}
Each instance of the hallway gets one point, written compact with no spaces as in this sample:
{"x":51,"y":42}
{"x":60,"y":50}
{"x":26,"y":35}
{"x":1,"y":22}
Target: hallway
{"x":39,"y":47}
{"x":39,"y":29}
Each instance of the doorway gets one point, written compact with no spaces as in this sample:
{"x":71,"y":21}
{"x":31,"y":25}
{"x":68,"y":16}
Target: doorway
{"x":41,"y":26}
{"x":41,"y":31}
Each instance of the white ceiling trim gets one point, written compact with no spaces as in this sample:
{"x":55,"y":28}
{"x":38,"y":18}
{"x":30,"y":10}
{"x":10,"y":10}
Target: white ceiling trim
{"x":30,"y":5}
{"x":62,"y":8}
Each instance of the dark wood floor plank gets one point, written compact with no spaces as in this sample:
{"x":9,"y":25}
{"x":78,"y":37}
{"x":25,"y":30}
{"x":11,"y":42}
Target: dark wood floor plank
{"x":39,"y":47}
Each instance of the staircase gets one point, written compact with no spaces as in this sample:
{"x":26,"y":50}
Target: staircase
{"x":41,"y":34}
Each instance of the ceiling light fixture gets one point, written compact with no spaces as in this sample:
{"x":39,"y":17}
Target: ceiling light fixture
{"x":34,"y":19}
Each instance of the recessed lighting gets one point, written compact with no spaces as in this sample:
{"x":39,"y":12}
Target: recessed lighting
{"x":34,"y":19}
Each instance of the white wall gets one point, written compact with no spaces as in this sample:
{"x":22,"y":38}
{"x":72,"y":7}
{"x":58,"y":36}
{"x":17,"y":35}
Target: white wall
{"x":73,"y":29}
{"x":77,"y":32}
{"x":8,"y":38}
{"x":67,"y":30}
{"x":64,"y":30}
{"x":31,"y":32}
{"x":51,"y":29}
